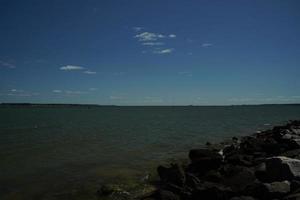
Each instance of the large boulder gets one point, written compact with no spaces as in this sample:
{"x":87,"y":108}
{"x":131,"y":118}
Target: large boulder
{"x":240,"y":159}
{"x":204,"y":160}
{"x":277,"y":189}
{"x":251,"y":145}
{"x":282,"y":168}
{"x":212,"y":191}
{"x":242,"y":198}
{"x":292,"y":154}
{"x":264,"y":191}
{"x":166,"y":195}
{"x":257,"y":190}
{"x":172,"y":175}
{"x":237,"y":177}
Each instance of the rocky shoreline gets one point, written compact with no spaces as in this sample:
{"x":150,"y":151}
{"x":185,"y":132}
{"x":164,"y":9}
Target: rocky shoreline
{"x":265,"y":165}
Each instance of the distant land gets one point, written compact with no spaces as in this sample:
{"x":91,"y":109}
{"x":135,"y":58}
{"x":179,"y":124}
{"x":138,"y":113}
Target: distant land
{"x":98,"y":105}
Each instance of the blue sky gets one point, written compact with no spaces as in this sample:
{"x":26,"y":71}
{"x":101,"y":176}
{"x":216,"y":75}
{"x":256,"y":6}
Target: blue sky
{"x":150,"y":52}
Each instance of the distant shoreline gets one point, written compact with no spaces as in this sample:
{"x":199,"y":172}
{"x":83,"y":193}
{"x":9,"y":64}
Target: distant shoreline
{"x":98,"y":105}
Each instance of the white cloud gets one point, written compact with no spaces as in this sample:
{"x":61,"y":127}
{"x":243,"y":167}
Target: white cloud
{"x":206,"y":45}
{"x":71,"y":67}
{"x":21,"y":93}
{"x":163,"y":51}
{"x":116,"y":97}
{"x":161,"y":36}
{"x":93,"y":89}
{"x":146,"y":36}
{"x":137,"y":28}
{"x":89,"y":72}
{"x":71,"y":92}
{"x":295,"y":97}
{"x":56,"y":91}
{"x":7,"y":64}
{"x":151,"y":40}
{"x":153,"y":43}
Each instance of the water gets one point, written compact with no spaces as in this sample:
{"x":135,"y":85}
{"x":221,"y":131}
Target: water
{"x":47,"y":150}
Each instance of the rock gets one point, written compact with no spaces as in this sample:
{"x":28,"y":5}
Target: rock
{"x":212,"y":191}
{"x":278,"y":189}
{"x":239,"y":159}
{"x":192,"y":181}
{"x":271,"y":147}
{"x":200,"y":155}
{"x":295,"y":185}
{"x":296,"y":131}
{"x":292,"y":154}
{"x":250,"y":144}
{"x":108,"y":189}
{"x":282,"y":168}
{"x":295,"y":196}
{"x":212,"y":176}
{"x":242,"y":198}
{"x":256,"y":190}
{"x":174,"y":174}
{"x":203,"y":160}
{"x":261,"y":173}
{"x":167,"y":195}
{"x":237,"y":177}
{"x":290,"y":144}
{"x":229,"y":150}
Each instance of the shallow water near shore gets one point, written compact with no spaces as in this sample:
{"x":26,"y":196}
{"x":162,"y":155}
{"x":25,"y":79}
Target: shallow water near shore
{"x":46,"y":151}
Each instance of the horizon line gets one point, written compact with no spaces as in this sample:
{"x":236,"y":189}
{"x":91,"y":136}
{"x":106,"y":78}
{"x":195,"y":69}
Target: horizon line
{"x":179,"y":105}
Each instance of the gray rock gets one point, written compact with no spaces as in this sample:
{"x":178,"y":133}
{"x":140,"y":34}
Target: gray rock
{"x":212,"y":191}
{"x":167,"y":195}
{"x":173,"y":174}
{"x":242,"y":198}
{"x":238,"y":177}
{"x":203,"y":160}
{"x":295,"y":196}
{"x":282,"y":168}
{"x":278,"y":189}
{"x":292,"y":154}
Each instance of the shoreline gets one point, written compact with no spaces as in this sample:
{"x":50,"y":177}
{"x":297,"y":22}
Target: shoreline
{"x":67,"y":105}
{"x":264,"y":165}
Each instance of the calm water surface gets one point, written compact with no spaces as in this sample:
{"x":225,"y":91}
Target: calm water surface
{"x":46,"y":149}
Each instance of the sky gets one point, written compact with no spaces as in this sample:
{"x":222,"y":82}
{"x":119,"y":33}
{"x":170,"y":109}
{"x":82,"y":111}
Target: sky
{"x":150,"y":52}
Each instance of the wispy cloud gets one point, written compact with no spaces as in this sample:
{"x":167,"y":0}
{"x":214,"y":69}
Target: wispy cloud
{"x":7,"y":64}
{"x":153,"y":43}
{"x":20,"y":93}
{"x":113,"y":97}
{"x":148,"y":36}
{"x":274,"y":99}
{"x":93,"y":89}
{"x":71,"y":67}
{"x":152,"y":39}
{"x":163,"y":51}
{"x":172,"y":36}
{"x":137,"y":28}
{"x":76,"y":92}
{"x":206,"y":44}
{"x":89,"y":72}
